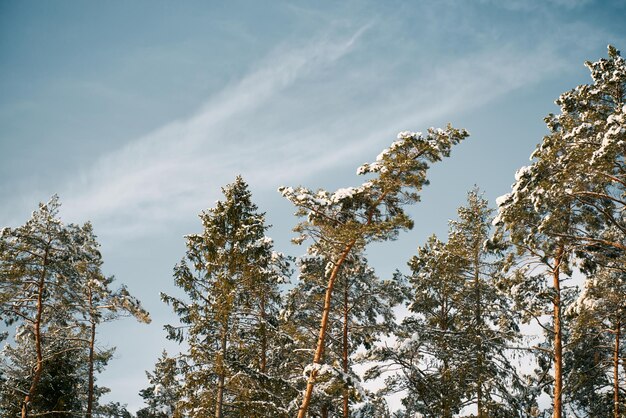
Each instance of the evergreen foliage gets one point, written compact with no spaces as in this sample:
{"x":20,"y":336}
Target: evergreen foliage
{"x":452,"y":348}
{"x":341,"y":223}
{"x":231,"y":276}
{"x":256,"y":346}
{"x":51,"y":288}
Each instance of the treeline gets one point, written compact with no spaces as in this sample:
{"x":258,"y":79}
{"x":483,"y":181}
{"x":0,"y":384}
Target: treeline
{"x":259,"y":344}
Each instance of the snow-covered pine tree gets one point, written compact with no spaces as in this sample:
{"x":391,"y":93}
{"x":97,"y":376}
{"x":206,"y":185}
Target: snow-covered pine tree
{"x":571,"y":199}
{"x":537,"y":228}
{"x":53,"y":290}
{"x":361,"y":315}
{"x":347,"y":220}
{"x":39,"y":281}
{"x":231,"y":276}
{"x":164,"y":392}
{"x":587,"y":149}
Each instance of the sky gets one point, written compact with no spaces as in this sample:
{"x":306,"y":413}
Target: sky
{"x":136,"y":113}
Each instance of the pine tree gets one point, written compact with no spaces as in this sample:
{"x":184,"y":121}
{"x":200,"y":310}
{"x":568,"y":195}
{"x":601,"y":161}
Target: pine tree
{"x":362,"y":314}
{"x":570,"y":200}
{"x":346,"y":221}
{"x":39,"y":280}
{"x":538,"y":229}
{"x":51,"y":288}
{"x":230,"y":275}
{"x":62,"y":376}
{"x":586,"y":148}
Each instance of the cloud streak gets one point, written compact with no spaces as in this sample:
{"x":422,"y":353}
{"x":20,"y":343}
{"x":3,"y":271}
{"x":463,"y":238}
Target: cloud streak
{"x":157,"y":175}
{"x":285,"y":122}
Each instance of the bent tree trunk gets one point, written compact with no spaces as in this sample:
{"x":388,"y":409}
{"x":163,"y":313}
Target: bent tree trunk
{"x":317,"y":358}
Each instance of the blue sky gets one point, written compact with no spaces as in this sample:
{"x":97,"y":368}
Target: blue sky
{"x":136,"y":113}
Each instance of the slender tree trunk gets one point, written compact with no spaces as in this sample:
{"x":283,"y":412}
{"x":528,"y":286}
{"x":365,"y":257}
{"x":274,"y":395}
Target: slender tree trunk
{"x":446,"y":408}
{"x":479,"y":336}
{"x":558,"y":343}
{"x":263,"y":364}
{"x":92,"y":345}
{"x":221,"y":373}
{"x":323,"y":327}
{"x":346,"y":392}
{"x":616,"y":369}
{"x":39,"y":365}
{"x":324,"y":411}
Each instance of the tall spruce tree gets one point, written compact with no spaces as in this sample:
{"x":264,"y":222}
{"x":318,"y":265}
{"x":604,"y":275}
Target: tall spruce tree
{"x":491,"y":327}
{"x":429,"y":355}
{"x":231,"y":276}
{"x":453,"y":347}
{"x":345,"y":221}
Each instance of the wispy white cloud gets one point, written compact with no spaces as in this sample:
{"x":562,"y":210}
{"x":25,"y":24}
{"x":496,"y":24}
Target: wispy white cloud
{"x":285,"y":122}
{"x":157,"y":175}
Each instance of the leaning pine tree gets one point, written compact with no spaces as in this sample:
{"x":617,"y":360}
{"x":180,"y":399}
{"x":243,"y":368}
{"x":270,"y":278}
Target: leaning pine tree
{"x":363,"y":313}
{"x":230,"y":275}
{"x":346,"y":221}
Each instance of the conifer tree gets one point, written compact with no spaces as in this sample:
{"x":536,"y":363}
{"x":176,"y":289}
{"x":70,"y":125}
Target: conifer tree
{"x":570,"y":200}
{"x":230,"y":275}
{"x":62,"y":380}
{"x":586,"y":149}
{"x":429,"y":354}
{"x":491,"y":326}
{"x":346,"y":221}
{"x":453,"y":346}
{"x":363,"y":313}
{"x":38,"y":281}
{"x":538,"y":230}
{"x":51,"y":288}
